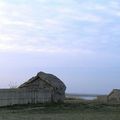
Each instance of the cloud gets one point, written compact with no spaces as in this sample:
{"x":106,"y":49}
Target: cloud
{"x":88,"y":18}
{"x":48,"y":50}
{"x":60,"y":26}
{"x":71,"y":14}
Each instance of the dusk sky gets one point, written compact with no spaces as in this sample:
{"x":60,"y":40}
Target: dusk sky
{"x":76,"y":40}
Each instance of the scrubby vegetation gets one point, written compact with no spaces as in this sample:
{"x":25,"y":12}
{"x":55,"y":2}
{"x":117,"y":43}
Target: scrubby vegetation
{"x":71,"y":109}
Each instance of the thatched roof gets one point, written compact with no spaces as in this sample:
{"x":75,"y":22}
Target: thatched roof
{"x":49,"y":79}
{"x":114,"y":91}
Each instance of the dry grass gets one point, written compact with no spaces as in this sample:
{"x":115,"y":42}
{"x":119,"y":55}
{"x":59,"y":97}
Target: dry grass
{"x":70,"y":110}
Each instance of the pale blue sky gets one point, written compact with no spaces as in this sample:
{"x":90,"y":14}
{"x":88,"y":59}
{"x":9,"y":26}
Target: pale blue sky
{"x":77,"y":40}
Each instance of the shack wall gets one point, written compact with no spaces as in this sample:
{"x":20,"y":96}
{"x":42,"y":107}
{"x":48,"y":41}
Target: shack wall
{"x":23,"y":96}
{"x":114,"y":97}
{"x":102,"y":99}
